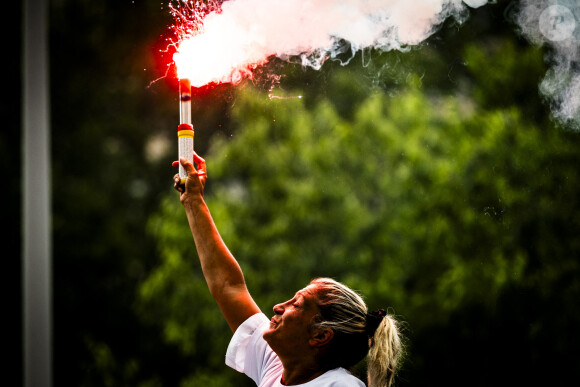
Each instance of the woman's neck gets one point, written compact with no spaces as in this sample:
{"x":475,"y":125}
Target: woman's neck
{"x":291,"y":379}
{"x":300,"y":372}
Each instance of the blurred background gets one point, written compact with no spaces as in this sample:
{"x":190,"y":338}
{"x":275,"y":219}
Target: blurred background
{"x":436,"y":181}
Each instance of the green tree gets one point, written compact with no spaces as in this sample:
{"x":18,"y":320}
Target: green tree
{"x":459,"y":212}
{"x":104,"y":119}
{"x":425,"y":206}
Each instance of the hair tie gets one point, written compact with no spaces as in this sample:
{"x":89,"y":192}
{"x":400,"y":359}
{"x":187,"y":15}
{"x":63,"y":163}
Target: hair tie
{"x":374,"y":319}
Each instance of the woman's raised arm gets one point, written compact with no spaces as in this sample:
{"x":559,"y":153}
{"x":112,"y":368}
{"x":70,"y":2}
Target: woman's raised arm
{"x":222,"y":272}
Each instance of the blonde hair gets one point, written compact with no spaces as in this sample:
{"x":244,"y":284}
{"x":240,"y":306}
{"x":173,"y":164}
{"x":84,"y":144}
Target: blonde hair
{"x":344,"y":311}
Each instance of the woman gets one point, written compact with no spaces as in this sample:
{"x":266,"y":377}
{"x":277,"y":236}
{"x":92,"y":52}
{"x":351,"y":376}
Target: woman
{"x":312,"y":339}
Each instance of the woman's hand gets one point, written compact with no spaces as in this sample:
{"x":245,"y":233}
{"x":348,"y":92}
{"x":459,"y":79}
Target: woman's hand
{"x":196,"y":178}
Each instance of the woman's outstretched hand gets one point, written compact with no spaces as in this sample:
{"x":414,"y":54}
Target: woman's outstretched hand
{"x":196,"y":178}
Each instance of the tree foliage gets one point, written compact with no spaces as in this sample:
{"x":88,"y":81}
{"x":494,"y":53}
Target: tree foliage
{"x":428,"y":206}
{"x":432,"y":180}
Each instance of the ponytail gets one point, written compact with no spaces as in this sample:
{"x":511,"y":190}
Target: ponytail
{"x":357,"y":333}
{"x":386,"y":349}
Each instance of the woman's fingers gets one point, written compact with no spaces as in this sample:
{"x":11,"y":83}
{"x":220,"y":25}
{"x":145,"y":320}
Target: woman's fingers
{"x":187,"y":165}
{"x":177,"y":183}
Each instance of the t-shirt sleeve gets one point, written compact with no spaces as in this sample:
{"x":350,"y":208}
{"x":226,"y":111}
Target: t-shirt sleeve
{"x":247,"y":351}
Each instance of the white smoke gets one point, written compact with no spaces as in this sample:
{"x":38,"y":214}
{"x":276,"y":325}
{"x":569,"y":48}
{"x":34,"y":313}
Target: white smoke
{"x":555,"y":24}
{"x":245,"y":33}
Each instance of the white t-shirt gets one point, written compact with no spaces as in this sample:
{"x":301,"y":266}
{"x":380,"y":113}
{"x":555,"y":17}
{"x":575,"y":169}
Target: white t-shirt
{"x":249,"y":353}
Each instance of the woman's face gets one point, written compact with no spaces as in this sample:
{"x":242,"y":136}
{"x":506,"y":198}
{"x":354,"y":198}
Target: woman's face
{"x":289,"y":330}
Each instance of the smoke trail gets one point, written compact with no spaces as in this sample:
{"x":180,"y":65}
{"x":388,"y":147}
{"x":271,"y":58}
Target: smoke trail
{"x":244,"y":34}
{"x":554,"y":23}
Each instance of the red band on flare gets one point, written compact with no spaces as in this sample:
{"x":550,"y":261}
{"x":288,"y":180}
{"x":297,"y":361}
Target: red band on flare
{"x":185,"y":127}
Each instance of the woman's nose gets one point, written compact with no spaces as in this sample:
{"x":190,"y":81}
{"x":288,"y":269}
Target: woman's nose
{"x":279,"y":308}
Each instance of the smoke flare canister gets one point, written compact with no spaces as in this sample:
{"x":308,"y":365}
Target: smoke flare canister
{"x":185,"y":132}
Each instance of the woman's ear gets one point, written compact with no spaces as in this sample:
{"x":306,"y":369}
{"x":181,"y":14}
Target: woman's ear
{"x":321,"y":337}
